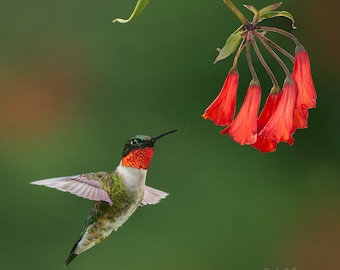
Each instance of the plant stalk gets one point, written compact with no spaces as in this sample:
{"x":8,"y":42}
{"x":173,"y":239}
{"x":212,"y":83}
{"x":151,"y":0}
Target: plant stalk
{"x":282,"y":32}
{"x":236,"y":11}
{"x":277,"y":58}
{"x":250,"y":64}
{"x":264,"y":64}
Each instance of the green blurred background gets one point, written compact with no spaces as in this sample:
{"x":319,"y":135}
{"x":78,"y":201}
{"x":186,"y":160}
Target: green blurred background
{"x":74,"y":87}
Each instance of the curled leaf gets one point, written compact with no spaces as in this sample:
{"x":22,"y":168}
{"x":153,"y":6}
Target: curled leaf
{"x":269,"y":8}
{"x":230,"y":46}
{"x":141,"y":4}
{"x":273,"y":14}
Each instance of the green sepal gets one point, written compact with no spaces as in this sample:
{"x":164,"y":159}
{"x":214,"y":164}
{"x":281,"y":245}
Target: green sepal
{"x":269,"y":8}
{"x":252,"y":9}
{"x":141,"y":4}
{"x":231,"y":45}
{"x":273,"y":14}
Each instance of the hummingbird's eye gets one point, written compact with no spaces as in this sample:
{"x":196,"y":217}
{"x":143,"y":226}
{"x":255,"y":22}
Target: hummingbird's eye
{"x":133,"y":142}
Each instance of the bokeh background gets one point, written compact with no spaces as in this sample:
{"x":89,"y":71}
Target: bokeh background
{"x":74,"y":87}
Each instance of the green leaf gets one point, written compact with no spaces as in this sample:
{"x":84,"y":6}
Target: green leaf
{"x":230,"y":46}
{"x":141,"y":4}
{"x":269,"y":8}
{"x":273,"y":14}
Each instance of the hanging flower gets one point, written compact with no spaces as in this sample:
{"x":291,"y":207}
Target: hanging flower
{"x":221,"y":111}
{"x":306,"y":97}
{"x":268,"y":109}
{"x":285,"y":110}
{"x":244,"y":128}
{"x":265,"y":144}
{"x":280,"y":126}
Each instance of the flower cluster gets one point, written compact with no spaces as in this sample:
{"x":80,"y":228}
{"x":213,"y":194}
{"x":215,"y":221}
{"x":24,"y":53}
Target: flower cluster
{"x":285,"y":109}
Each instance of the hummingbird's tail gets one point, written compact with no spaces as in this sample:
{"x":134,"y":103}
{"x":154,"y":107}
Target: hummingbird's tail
{"x":71,"y":256}
{"x":91,"y":235}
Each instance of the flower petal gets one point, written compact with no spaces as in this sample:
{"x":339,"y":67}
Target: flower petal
{"x":306,"y":96}
{"x":264,"y":144}
{"x":244,"y":128}
{"x":221,"y":111}
{"x":280,"y":126}
{"x":300,"y":118}
{"x":268,"y":109}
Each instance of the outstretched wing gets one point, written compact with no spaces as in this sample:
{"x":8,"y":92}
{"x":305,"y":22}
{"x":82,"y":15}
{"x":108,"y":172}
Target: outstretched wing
{"x":80,"y":185}
{"x":152,"y":196}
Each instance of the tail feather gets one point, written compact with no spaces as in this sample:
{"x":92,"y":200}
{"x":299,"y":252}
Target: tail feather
{"x":72,"y":255}
{"x":87,"y":223}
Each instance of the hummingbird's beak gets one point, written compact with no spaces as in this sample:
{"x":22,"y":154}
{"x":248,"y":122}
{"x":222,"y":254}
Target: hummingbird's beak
{"x":162,"y":135}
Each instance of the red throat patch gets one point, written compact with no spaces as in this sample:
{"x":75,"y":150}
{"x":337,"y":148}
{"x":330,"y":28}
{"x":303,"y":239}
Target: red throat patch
{"x":139,"y":158}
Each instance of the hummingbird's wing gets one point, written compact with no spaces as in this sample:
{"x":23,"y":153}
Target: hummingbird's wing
{"x":153,"y":196}
{"x":80,"y":185}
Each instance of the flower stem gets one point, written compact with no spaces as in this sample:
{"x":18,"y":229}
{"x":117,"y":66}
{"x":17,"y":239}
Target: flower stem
{"x":277,"y":58}
{"x":238,"y":53}
{"x":250,"y":64}
{"x":279,"y":48}
{"x":236,"y":11}
{"x":264,"y":64}
{"x":282,"y":32}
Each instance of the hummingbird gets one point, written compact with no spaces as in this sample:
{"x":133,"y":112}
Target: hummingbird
{"x":116,"y":195}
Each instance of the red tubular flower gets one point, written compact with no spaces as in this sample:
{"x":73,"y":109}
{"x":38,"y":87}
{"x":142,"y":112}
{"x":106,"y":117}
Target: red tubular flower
{"x":244,"y":128}
{"x":221,"y":111}
{"x":306,"y":94}
{"x":263,"y":143}
{"x":280,"y":126}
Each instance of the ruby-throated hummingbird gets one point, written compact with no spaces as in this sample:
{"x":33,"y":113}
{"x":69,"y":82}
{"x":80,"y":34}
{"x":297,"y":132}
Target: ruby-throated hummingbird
{"x":116,"y":195}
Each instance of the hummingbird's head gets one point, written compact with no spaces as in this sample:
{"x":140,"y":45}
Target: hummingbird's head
{"x":138,"y":150}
